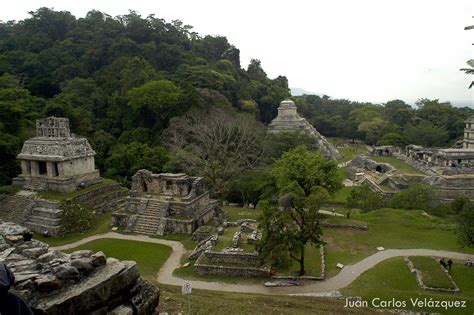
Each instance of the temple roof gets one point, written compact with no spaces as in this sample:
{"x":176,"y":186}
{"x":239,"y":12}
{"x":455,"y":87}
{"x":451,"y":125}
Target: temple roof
{"x":53,"y":142}
{"x":55,"y":149}
{"x":470,"y":119}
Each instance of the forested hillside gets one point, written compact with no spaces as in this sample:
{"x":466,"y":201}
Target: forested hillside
{"x":119,"y":80}
{"x":151,"y":93}
{"x":431,"y":123}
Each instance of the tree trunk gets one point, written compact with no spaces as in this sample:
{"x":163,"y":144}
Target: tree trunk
{"x":302,"y":271}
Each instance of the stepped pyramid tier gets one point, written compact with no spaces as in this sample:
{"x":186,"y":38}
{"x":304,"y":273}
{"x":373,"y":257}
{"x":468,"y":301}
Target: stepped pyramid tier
{"x":288,"y":120}
{"x":160,"y":204}
{"x":56,"y":160}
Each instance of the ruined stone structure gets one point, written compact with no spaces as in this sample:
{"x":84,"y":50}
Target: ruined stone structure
{"x":444,"y":160}
{"x":384,"y":150}
{"x":82,"y":282}
{"x":288,"y":120}
{"x":450,"y":171}
{"x":161,"y":204}
{"x":379,"y":177}
{"x":56,"y":160}
{"x":468,"y":142}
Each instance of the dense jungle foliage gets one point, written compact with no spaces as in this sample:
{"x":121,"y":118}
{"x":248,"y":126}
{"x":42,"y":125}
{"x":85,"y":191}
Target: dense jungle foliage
{"x":122,"y":80}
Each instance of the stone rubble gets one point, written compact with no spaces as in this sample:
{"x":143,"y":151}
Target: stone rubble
{"x":82,"y":282}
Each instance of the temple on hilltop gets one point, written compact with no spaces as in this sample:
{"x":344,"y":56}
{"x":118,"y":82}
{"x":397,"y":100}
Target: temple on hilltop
{"x":55,"y":160}
{"x":288,"y":120}
{"x":166,"y":203}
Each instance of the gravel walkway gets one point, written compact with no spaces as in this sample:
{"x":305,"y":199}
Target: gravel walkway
{"x":345,"y":277}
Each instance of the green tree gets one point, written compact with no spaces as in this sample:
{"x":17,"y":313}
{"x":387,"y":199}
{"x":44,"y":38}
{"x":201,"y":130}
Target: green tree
{"x":217,"y":144}
{"x":417,"y":196}
{"x":303,"y":180}
{"x":76,"y":217}
{"x":465,"y":220}
{"x":155,"y":102}
{"x":426,"y":134}
{"x":362,"y":197}
{"x":126,"y":159}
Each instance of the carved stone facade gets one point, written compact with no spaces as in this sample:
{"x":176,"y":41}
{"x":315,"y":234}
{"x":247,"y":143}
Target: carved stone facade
{"x":56,"y":160}
{"x":288,"y":120}
{"x":165,"y":204}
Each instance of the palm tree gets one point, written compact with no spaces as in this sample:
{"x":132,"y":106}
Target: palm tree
{"x":469,"y":62}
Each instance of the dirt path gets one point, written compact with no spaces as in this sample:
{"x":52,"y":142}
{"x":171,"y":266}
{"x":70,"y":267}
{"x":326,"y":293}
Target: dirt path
{"x":345,"y":277}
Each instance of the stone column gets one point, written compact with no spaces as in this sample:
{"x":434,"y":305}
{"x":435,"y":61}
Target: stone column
{"x":49,"y":169}
{"x":25,"y":167}
{"x":34,"y":168}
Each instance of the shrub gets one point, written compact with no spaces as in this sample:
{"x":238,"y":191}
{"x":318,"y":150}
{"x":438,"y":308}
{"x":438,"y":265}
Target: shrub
{"x":76,"y":217}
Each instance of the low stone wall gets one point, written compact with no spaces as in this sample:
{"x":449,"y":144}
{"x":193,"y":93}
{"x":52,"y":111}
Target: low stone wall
{"x":238,"y":223}
{"x":237,"y":258}
{"x":95,"y":192}
{"x":202,"y":269}
{"x":419,"y":279}
{"x":234,"y":264}
{"x":345,"y":226}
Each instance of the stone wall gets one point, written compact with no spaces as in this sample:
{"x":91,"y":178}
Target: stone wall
{"x":234,"y":258}
{"x":421,"y":284}
{"x":105,"y":198}
{"x":345,"y":226}
{"x":203,"y":269}
{"x":53,"y":282}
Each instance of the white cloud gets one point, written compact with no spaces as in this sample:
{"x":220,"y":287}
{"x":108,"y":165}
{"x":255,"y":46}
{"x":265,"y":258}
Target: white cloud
{"x":366,"y":50}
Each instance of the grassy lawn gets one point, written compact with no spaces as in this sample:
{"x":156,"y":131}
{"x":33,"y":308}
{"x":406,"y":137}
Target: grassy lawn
{"x":100,"y":225}
{"x":341,"y":195}
{"x":54,"y":195}
{"x":148,"y":256}
{"x":312,"y":263}
{"x":392,"y":279}
{"x":351,"y":151}
{"x":237,"y":213}
{"x":214,"y":302}
{"x":401,"y":166}
{"x":390,"y":228}
{"x":432,"y":274}
{"x":225,"y":240}
{"x":343,"y":220}
{"x":186,"y":239}
{"x":10,"y":188}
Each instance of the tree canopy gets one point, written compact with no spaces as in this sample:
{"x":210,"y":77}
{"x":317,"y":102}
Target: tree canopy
{"x":290,"y":220}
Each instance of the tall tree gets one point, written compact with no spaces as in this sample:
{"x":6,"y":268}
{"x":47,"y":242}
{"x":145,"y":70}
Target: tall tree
{"x":217,"y":144}
{"x":303,"y":180}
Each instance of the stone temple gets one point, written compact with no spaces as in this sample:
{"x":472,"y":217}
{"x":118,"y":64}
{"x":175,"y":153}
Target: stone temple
{"x":55,"y":160}
{"x":288,"y":120}
{"x":166,"y":203}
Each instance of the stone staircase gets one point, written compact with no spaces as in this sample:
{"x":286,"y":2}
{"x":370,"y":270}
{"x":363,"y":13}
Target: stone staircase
{"x":35,"y":184}
{"x":12,"y":208}
{"x":150,"y":221}
{"x":42,"y":219}
{"x":105,"y":199}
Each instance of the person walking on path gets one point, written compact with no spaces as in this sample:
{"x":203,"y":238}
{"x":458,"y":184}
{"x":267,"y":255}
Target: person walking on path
{"x":442,"y":262}
{"x":450,"y":264}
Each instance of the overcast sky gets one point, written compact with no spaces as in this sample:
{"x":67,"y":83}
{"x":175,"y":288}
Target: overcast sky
{"x":361,"y":50}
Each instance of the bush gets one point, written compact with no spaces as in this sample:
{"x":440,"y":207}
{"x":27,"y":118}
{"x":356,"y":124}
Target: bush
{"x":76,"y":217}
{"x":416,"y":197}
{"x":361,"y":197}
